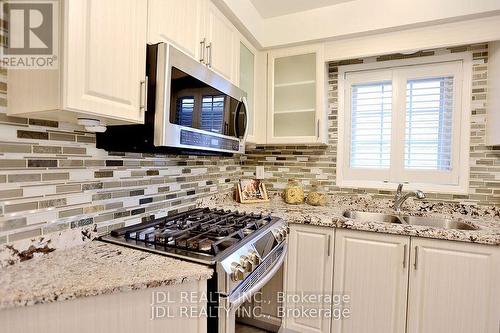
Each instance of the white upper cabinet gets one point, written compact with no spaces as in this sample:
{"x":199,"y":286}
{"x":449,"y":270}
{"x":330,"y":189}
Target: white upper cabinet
{"x":177,"y":22}
{"x":222,"y":43}
{"x":198,"y":28}
{"x":102,"y":72}
{"x":105,"y":52}
{"x":454,"y":287}
{"x":309,"y":270}
{"x":296,"y":96}
{"x":373,"y":270}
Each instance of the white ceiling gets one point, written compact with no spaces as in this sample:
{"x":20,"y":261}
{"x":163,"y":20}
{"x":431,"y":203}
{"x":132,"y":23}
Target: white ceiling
{"x":273,"y":8}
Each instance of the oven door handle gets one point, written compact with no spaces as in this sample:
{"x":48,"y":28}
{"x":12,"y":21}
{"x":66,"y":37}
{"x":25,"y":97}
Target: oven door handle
{"x":234,"y":303}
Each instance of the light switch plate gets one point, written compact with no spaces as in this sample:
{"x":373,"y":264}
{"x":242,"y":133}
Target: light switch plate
{"x":259,"y":172}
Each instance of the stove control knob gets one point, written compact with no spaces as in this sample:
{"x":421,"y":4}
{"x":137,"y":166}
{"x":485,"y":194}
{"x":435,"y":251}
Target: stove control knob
{"x":237,"y":272}
{"x":279,"y":236}
{"x":282,"y":234}
{"x":246,"y":263}
{"x":254,"y":258}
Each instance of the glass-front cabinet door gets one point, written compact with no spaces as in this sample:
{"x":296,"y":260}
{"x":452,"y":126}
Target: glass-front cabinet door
{"x":296,"y":104}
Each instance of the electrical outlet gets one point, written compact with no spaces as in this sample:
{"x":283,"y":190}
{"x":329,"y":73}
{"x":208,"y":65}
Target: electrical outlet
{"x":259,"y":172}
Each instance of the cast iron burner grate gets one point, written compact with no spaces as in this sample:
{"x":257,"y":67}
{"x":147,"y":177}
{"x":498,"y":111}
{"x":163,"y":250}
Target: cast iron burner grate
{"x":202,"y":230}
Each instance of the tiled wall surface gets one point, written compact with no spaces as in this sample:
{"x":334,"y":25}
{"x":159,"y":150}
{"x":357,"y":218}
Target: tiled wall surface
{"x":52,"y":179}
{"x":317,"y":164}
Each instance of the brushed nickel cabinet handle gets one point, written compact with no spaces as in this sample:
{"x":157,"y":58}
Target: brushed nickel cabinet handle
{"x":202,"y":50}
{"x":317,"y":128}
{"x":328,"y":246}
{"x":143,"y":94}
{"x":405,"y":249}
{"x":209,"y":55}
{"x":146,"y":92}
{"x":415,"y":264}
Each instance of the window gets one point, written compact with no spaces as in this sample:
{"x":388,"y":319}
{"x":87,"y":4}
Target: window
{"x":405,"y":123}
{"x":212,"y":113}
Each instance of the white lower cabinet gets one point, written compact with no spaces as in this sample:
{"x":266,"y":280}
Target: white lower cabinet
{"x":372,"y":269}
{"x":309,"y":269}
{"x":395,"y":284}
{"x":454,"y":287}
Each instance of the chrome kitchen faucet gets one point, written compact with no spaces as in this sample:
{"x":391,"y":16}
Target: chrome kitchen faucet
{"x":400,"y":198}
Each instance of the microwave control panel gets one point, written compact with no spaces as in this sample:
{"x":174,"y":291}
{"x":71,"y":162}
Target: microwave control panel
{"x":197,"y":139}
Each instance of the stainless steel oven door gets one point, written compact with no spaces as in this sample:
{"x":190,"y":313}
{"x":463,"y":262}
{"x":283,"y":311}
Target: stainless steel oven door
{"x":195,"y":107}
{"x":242,"y":304}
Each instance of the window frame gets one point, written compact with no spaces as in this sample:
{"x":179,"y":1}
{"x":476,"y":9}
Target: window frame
{"x":460,"y":65}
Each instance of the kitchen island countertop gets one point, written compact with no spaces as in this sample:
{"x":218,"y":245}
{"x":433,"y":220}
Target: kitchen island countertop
{"x":95,"y":268}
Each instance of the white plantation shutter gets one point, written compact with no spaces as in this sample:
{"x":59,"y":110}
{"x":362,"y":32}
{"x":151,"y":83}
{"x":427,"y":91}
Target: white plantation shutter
{"x":405,"y":124}
{"x":429,"y":123}
{"x":371,"y":112}
{"x":212,"y":113}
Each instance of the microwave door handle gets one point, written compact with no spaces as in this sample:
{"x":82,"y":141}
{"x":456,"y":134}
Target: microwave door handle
{"x":245,"y":104}
{"x":236,"y":122}
{"x":242,"y":102}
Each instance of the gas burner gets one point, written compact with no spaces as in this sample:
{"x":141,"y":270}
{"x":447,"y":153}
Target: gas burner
{"x":204,"y":230}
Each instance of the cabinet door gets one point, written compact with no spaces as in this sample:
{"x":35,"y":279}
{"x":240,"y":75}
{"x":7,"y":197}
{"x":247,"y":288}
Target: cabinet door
{"x":296,"y":101}
{"x":454,"y":287}
{"x":222,"y":43}
{"x":309,"y":269}
{"x":105,"y":57}
{"x":178,"y":22}
{"x":373,"y":270}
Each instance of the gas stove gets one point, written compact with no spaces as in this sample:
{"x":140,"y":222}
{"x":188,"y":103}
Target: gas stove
{"x":202,"y":235}
{"x":245,"y":251}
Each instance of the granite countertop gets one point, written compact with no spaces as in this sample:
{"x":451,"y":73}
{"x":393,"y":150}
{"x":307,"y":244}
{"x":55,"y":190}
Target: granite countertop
{"x":98,"y":268}
{"x":93,"y":269}
{"x":487,"y":220}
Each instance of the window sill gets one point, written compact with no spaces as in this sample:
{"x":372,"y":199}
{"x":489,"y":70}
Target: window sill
{"x":392,"y":186}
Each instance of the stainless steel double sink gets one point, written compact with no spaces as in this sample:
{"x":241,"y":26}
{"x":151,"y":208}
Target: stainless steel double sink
{"x":435,"y":222}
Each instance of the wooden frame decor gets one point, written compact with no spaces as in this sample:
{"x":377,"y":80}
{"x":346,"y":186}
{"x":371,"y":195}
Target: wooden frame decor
{"x":251,"y":191}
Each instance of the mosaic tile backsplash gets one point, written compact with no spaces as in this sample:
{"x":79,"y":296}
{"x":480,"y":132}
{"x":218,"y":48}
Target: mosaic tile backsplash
{"x":317,"y":164}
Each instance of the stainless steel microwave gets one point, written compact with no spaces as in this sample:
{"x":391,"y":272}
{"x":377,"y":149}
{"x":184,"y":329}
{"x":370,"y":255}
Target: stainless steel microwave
{"x":190,"y":109}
